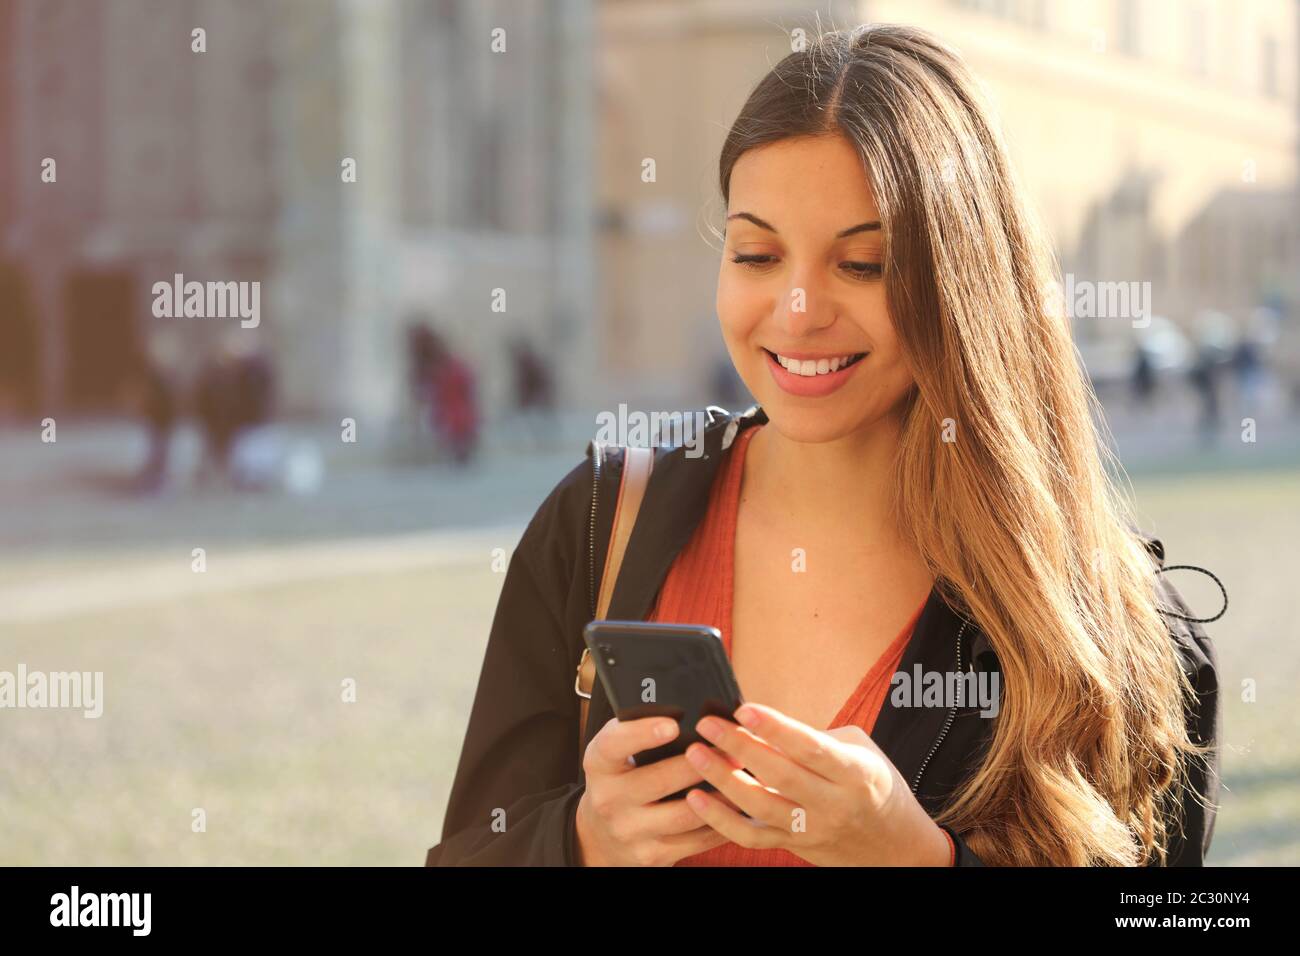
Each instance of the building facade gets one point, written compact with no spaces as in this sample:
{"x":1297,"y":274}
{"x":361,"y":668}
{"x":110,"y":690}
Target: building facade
{"x":549,"y":168}
{"x":467,"y":127}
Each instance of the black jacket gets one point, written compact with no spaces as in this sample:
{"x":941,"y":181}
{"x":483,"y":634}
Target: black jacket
{"x":521,"y":752}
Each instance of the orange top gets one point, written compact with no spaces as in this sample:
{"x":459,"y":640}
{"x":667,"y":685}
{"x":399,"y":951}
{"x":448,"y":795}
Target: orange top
{"x":699,"y":590}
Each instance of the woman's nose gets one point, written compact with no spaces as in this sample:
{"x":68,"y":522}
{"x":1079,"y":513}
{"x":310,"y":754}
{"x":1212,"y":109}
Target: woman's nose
{"x":805,"y":308}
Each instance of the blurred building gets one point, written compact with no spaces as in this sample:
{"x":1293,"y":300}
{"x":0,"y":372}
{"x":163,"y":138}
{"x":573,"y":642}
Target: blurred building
{"x":470,"y":126}
{"x":1158,"y":139}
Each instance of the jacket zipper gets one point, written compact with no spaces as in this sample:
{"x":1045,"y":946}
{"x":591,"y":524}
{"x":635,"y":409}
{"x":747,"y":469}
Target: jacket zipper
{"x":947,"y":724}
{"x":596,"y":455}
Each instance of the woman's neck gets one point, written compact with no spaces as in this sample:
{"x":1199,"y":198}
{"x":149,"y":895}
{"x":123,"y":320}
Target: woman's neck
{"x":836,"y":488}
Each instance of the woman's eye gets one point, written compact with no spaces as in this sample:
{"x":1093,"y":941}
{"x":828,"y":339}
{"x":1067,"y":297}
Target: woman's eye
{"x":862,"y":270}
{"x":856,"y":270}
{"x":752,"y":261}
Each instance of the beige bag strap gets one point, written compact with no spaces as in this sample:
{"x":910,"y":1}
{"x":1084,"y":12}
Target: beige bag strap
{"x":637,"y":465}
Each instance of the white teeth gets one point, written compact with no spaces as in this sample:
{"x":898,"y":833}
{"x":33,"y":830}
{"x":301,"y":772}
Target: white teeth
{"x":814,"y":366}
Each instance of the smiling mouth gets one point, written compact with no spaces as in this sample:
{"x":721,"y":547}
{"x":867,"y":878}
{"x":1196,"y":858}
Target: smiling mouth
{"x":811,"y":368}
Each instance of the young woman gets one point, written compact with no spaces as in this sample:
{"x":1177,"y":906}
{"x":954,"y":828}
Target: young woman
{"x":919,"y":490}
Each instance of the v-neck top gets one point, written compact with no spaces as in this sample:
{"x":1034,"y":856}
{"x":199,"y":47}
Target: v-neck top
{"x":699,"y":589}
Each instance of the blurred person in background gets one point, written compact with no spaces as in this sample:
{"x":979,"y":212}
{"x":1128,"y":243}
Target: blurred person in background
{"x":1144,"y":376}
{"x":444,"y":389}
{"x":534,"y":391}
{"x":419,"y":441}
{"x":1205,"y":381}
{"x":1258,"y":335}
{"x":1248,"y":366}
{"x":233,"y":396}
{"x":456,"y":413}
{"x":1213,"y":355}
{"x":421,"y":357}
{"x":151,"y":394}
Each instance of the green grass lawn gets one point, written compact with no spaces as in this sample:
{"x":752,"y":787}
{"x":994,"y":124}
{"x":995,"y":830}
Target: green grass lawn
{"x":1245,"y":528}
{"x":234,"y":704}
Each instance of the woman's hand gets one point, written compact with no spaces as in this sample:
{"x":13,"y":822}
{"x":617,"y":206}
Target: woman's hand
{"x":618,"y":821}
{"x":830,"y":797}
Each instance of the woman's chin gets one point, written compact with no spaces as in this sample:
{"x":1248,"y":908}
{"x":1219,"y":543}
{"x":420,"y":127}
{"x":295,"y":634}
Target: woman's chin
{"x":812,"y":423}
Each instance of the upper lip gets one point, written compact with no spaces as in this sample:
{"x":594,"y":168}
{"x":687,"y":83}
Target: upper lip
{"x":816,"y":356}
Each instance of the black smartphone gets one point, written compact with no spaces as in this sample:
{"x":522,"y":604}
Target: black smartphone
{"x":664,"y":670}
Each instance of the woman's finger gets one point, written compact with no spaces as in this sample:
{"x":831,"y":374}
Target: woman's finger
{"x":771,"y":766}
{"x":699,"y":840}
{"x":813,"y":749}
{"x":657,"y":820}
{"x":736,"y":828}
{"x":660,"y":779}
{"x":740,"y":788}
{"x":611,"y":750}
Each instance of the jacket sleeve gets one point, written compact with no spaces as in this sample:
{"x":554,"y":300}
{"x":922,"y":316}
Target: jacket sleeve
{"x":1190,"y":843}
{"x":516,"y":789}
{"x":965,"y":855}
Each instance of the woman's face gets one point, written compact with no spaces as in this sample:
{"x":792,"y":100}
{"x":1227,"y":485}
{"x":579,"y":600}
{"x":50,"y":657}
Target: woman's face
{"x":807,"y":293}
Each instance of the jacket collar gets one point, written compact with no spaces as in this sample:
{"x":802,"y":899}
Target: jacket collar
{"x":675,"y":502}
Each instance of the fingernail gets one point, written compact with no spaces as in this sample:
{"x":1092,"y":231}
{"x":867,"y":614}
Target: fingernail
{"x":666,"y":730}
{"x":709,"y":728}
{"x":747,"y":716}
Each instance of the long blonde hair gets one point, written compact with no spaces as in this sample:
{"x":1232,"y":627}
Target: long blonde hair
{"x":1017,"y":518}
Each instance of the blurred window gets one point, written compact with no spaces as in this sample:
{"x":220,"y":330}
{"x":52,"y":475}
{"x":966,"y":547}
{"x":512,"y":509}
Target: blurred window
{"x":1198,"y":40}
{"x":1127,"y":30}
{"x":1028,"y":12}
{"x":1268,"y":66}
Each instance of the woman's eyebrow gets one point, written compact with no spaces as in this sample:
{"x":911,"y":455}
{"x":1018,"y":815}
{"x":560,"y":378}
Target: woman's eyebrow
{"x":842,"y":234}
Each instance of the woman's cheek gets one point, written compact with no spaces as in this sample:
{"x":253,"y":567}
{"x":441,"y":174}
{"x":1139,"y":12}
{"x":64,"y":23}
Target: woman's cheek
{"x":896,"y":381}
{"x":740,"y":315}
